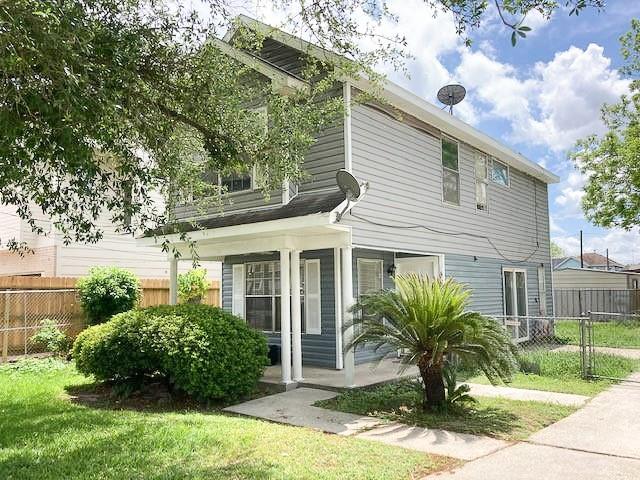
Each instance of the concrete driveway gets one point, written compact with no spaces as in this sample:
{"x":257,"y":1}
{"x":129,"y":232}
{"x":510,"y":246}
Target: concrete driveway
{"x":599,"y":442}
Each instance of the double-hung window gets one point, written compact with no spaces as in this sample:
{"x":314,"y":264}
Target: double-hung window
{"x":515,"y":301}
{"x":262,"y":305}
{"x":450,"y":172}
{"x":236,"y":182}
{"x":481,"y":181}
{"x":256,"y":295}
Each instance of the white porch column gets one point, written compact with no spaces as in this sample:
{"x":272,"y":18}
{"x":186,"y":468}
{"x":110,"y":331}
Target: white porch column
{"x":347,"y":302}
{"x":296,"y":320}
{"x":173,"y":280}
{"x":285,"y":315}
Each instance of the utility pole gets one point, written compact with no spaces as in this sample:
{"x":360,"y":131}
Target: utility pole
{"x":581,"y":253}
{"x":607,"y":259}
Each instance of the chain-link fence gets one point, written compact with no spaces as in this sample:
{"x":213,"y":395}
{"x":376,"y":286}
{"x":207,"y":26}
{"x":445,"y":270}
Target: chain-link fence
{"x":610,"y":344}
{"x":596,"y":345}
{"x":23,"y":311}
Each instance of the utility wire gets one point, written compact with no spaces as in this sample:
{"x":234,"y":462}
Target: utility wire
{"x":442,"y":232}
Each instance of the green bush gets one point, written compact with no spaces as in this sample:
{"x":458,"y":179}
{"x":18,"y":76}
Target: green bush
{"x":107,"y":291}
{"x":116,"y":349}
{"x":202,"y":350}
{"x":192,"y":285}
{"x":51,"y":339}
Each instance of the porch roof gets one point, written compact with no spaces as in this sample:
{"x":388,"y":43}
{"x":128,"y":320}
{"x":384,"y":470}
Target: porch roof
{"x":307,"y":222}
{"x":302,"y":205}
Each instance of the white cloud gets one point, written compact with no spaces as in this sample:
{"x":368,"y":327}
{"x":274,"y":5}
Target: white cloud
{"x":624,"y":246}
{"x":554,"y":104}
{"x":571,"y":193}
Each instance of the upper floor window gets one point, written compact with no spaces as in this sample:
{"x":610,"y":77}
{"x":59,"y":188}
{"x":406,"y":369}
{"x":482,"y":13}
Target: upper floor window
{"x":450,"y":172}
{"x":499,"y":172}
{"x":236,"y":182}
{"x":481,"y":181}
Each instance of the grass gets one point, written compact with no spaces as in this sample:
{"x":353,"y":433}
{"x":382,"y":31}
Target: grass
{"x":45,"y":436}
{"x":609,"y":334}
{"x":561,"y":372}
{"x":498,"y":418}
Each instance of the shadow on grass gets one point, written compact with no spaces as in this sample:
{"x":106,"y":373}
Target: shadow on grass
{"x":402,"y":402}
{"x":52,"y":439}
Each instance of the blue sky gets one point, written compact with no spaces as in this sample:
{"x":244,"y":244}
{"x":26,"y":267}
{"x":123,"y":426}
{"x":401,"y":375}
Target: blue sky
{"x":538,"y":97}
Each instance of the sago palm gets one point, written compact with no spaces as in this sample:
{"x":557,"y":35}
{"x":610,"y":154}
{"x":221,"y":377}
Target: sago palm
{"x":428,"y":321}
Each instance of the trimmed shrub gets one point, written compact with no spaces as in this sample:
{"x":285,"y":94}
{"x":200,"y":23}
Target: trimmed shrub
{"x":202,"y":350}
{"x":192,"y":285}
{"x":107,"y":291}
{"x":116,"y":349}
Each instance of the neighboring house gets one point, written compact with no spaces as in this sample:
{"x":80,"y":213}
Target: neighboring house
{"x":634,"y":267}
{"x":588,"y":278}
{"x":591,"y":260}
{"x":52,"y":258}
{"x":443,"y":199}
{"x":581,"y":290}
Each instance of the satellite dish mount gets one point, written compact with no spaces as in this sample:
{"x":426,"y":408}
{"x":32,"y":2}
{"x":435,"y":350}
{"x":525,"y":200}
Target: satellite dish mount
{"x":352,"y":189}
{"x":451,"y":95}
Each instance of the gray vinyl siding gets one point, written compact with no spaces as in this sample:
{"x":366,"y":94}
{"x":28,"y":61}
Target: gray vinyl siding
{"x":319,"y":350}
{"x":403,"y":167}
{"x":324,"y":159}
{"x":235,"y":202}
{"x":484,"y":277}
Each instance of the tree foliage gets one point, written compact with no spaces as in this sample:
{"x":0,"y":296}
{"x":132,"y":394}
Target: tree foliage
{"x":108,"y":103}
{"x":556,"y":250}
{"x":611,"y":162}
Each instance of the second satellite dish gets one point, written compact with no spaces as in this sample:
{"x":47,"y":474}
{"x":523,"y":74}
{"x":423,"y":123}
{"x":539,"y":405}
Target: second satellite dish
{"x":348,"y":185}
{"x":451,"y":95}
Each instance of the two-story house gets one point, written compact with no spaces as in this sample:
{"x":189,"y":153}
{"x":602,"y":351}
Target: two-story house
{"x":443,"y":199}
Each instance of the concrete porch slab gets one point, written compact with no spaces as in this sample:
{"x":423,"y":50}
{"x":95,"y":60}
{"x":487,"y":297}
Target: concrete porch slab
{"x":366,"y":374}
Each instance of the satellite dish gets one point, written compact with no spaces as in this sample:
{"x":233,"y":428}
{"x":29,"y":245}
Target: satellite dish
{"x":348,"y":185}
{"x":451,"y":95}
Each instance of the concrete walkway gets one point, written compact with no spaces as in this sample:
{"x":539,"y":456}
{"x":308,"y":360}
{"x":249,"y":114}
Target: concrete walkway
{"x":633,"y":353}
{"x":599,"y":442}
{"x":295,"y":407}
{"x":511,"y":393}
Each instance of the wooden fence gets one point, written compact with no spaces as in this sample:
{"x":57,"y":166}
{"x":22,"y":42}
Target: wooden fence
{"x":577,"y":302}
{"x":26,"y":301}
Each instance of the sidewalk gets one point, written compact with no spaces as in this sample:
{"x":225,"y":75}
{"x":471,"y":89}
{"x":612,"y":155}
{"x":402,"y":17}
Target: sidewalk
{"x":296,"y":408}
{"x":599,"y":442}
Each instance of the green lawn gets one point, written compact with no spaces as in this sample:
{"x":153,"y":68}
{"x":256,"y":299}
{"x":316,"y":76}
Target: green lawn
{"x":561,"y":372}
{"x":610,"y":334}
{"x":499,"y":418}
{"x":43,"y":435}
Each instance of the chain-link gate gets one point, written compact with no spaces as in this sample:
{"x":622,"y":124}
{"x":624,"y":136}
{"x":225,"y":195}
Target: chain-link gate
{"x":610,"y":345}
{"x":22,"y":313}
